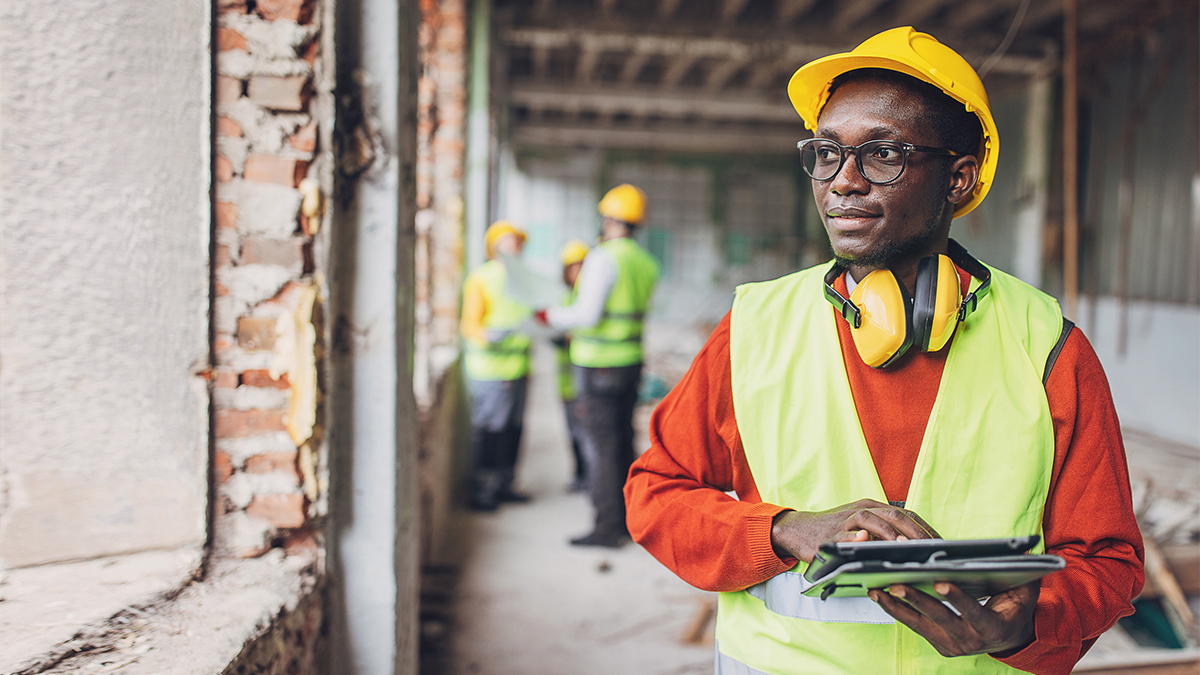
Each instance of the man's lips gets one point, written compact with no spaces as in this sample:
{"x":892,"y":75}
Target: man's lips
{"x":850,"y":218}
{"x":850,"y":212}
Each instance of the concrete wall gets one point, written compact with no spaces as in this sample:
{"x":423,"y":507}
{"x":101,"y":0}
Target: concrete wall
{"x":104,"y":224}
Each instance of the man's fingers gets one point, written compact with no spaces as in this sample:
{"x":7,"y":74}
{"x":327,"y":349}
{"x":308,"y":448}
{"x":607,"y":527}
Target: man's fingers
{"x":895,"y":604}
{"x":968,"y":607}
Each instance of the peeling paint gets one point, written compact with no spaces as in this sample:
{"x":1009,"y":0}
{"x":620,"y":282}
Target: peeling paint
{"x":295,"y":344}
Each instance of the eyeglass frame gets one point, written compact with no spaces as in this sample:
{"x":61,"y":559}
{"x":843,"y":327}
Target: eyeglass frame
{"x":905,"y":148}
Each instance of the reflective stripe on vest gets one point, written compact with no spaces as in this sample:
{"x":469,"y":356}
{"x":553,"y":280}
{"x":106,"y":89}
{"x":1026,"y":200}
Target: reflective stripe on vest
{"x":782,"y":594}
{"x":983,"y":469}
{"x":617,"y":339}
{"x":508,"y":358}
{"x":727,"y":665}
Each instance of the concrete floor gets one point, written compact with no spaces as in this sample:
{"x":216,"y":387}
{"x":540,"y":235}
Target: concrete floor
{"x":520,"y":601}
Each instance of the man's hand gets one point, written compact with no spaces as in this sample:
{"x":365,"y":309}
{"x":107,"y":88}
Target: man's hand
{"x":798,"y":534}
{"x":1001,"y":627}
{"x":540,"y":317}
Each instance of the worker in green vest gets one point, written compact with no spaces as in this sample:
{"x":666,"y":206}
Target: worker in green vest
{"x":497,"y":366}
{"x":606,"y":320}
{"x":937,"y":397}
{"x":572,"y":255}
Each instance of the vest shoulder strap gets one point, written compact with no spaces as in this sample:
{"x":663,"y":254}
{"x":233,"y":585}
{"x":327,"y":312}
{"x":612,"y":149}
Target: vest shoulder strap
{"x":1068,"y":325}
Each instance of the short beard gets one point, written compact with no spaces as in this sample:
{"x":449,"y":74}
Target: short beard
{"x":890,"y":251}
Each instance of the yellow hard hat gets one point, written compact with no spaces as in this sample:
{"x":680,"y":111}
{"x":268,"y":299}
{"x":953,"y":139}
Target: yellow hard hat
{"x":917,"y":54}
{"x":625,"y":203}
{"x":499,"y":229}
{"x":572,"y":252}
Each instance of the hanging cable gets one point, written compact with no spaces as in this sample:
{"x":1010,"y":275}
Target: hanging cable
{"x":1006,"y":42}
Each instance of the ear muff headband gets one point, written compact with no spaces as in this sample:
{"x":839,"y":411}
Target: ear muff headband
{"x":930,"y":318}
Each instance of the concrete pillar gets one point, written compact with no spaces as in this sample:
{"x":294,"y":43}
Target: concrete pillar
{"x":373,"y":533}
{"x":1035,"y":178}
{"x":478,"y":132}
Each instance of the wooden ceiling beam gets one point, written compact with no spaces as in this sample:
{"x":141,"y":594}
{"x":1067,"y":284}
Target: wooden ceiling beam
{"x":730,"y":9}
{"x":788,"y":11}
{"x":679,"y":138}
{"x":720,"y":74}
{"x":541,"y":61}
{"x":632,"y":67}
{"x":677,"y":68}
{"x":650,"y":101}
{"x":854,"y":11}
{"x":586,"y":65}
{"x":666,"y":8}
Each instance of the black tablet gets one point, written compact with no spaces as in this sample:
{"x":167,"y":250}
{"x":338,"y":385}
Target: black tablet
{"x":833,"y":555}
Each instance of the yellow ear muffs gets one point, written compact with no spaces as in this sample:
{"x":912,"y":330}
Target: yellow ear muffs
{"x":886,"y":323}
{"x":936,"y":299}
{"x":883,"y":334}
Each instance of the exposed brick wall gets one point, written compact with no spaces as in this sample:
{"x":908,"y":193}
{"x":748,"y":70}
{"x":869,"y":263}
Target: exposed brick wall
{"x":268,"y":450}
{"x":441,"y":134}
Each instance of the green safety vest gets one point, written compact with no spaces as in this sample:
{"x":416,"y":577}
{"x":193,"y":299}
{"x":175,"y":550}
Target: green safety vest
{"x":507,"y":359}
{"x":566,"y":372}
{"x":617,"y":339}
{"x":983,"y":470}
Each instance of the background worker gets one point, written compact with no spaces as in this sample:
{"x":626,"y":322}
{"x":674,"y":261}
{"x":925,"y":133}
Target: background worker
{"x":612,"y":296}
{"x":497,"y":366}
{"x":826,"y":431}
{"x":572,"y":255}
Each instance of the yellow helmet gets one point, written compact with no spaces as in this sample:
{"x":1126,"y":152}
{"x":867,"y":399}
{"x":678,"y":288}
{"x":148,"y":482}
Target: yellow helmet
{"x":499,"y":229}
{"x":921,"y":56}
{"x":625,"y":203}
{"x":572,"y":252}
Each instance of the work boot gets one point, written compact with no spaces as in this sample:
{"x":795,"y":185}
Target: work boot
{"x":485,"y":491}
{"x":604,"y":539}
{"x":506,"y":493}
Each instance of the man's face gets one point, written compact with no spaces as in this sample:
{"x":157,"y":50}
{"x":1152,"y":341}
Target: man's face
{"x":870,"y":226}
{"x":510,"y":244}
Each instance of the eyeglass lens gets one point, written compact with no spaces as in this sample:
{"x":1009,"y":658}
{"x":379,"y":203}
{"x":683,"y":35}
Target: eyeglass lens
{"x":878,"y":161}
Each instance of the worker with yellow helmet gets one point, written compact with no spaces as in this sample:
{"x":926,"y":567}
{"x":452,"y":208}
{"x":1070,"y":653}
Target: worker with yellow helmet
{"x":497,"y":368}
{"x":937,"y":398}
{"x":572,"y":255}
{"x":606,"y":320}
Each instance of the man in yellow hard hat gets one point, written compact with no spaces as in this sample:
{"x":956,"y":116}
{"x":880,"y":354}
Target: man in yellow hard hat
{"x":497,"y":366}
{"x":606,"y":319}
{"x":936,"y":398}
{"x":572,"y":255}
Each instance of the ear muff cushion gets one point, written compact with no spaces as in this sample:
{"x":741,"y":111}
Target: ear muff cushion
{"x":924,"y":301}
{"x":936,"y":299}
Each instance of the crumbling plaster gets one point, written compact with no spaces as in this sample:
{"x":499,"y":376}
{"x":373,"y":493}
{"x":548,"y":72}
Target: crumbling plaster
{"x":104,"y":224}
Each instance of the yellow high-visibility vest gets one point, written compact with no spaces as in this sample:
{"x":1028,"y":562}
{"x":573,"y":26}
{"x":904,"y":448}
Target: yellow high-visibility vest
{"x":508,"y":358}
{"x":983,"y":470}
{"x":617,"y":339}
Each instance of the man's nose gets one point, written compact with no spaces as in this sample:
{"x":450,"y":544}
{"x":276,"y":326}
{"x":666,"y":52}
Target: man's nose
{"x":849,"y":179}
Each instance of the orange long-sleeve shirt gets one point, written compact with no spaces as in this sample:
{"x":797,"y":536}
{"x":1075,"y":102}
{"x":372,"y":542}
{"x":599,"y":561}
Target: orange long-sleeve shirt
{"x":679,"y":512}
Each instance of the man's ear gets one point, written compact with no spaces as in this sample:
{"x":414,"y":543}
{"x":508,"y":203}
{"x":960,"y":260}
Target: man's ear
{"x":964,"y":174}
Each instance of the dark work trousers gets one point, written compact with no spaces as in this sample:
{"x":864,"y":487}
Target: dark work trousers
{"x":575,"y":433}
{"x":607,"y":397}
{"x":497,"y":410}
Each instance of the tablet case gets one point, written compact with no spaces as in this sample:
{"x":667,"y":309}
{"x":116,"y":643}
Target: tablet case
{"x":972,"y":565}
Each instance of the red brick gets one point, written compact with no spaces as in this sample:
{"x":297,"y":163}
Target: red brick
{"x":279,"y":510}
{"x":285,"y":253}
{"x":305,"y":139}
{"x":229,"y":89}
{"x":311,"y":51}
{"x":227,"y":213}
{"x":280,"y":93}
{"x":231,"y":6}
{"x":221,"y":258}
{"x":262,"y":378}
{"x":256,"y":333}
{"x":225,"y":379}
{"x":273,"y":169}
{"x":299,"y":11}
{"x":227,"y":127}
{"x":222,"y":342}
{"x":222,"y":466}
{"x":220,"y":289}
{"x":300,"y":541}
{"x":242,"y":423}
{"x":224,"y":169}
{"x":228,"y":38}
{"x":272,"y":462}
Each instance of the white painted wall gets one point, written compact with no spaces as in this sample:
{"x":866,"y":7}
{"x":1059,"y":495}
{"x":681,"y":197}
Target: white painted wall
{"x":104,"y":234}
{"x":1156,"y":382}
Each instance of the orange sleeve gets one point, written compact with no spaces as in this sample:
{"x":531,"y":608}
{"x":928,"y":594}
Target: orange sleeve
{"x":474,"y":310}
{"x":676,"y":499}
{"x":1088,"y":521}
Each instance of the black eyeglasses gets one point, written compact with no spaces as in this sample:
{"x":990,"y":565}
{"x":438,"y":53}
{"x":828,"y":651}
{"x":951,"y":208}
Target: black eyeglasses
{"x":880,"y":162}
